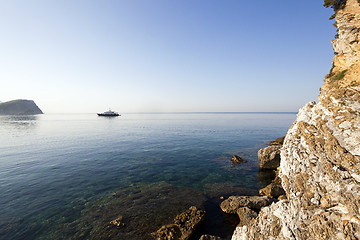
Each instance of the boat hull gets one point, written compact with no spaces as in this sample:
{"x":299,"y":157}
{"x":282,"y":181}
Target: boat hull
{"x":108,"y":115}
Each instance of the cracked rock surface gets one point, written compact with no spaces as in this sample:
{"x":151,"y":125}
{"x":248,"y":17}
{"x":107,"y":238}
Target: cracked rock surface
{"x":320,"y":158}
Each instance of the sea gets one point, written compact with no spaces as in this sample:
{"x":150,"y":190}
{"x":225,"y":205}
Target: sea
{"x":67,"y":176}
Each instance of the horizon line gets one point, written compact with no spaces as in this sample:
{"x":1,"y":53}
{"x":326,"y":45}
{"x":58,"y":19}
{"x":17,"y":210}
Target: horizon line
{"x":227,"y":112}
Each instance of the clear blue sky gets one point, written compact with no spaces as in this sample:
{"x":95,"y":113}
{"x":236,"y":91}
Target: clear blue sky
{"x":164,"y":55}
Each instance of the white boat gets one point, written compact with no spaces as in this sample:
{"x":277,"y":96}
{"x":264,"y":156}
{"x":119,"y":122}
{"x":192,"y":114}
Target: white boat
{"x":109,"y":114}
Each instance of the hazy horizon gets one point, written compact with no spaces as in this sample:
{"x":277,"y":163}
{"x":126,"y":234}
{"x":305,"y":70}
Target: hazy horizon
{"x":54,"y":113}
{"x":164,"y":56}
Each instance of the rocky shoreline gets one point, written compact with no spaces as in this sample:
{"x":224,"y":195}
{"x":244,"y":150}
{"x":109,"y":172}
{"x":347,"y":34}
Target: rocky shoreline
{"x":245,"y":207}
{"x":316,"y":190}
{"x":19,"y":107}
{"x":320,"y":157}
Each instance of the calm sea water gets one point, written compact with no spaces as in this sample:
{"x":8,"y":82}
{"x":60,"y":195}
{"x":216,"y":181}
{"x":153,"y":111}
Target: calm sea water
{"x":67,"y":176}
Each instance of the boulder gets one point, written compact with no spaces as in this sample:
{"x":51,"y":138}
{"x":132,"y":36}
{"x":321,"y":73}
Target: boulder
{"x":233,"y":203}
{"x":269,"y":157}
{"x":273,"y":190}
{"x":278,"y":141}
{"x":168,"y":232}
{"x":183,"y":227}
{"x":189,"y":220}
{"x":245,"y":215}
{"x":237,"y":159}
{"x":118,"y":222}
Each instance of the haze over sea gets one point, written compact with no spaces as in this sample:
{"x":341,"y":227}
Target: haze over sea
{"x":66,"y":176}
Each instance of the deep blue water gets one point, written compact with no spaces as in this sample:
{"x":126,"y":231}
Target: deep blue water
{"x":54,"y":168}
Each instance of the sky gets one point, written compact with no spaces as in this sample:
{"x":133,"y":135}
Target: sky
{"x":84,"y":56}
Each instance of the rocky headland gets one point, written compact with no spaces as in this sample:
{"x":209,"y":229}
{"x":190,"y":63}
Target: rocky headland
{"x":320,"y":157}
{"x":19,"y":107}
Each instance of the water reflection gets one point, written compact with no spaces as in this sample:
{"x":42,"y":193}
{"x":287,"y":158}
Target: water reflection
{"x":18,"y":122}
{"x":57,"y":171}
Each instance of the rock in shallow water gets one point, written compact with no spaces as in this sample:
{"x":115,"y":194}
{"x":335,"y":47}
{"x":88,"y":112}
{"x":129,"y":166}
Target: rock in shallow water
{"x":118,"y":222}
{"x":168,"y":232}
{"x":145,"y":208}
{"x":237,"y":159}
{"x":183,"y":227}
{"x":233,"y":203}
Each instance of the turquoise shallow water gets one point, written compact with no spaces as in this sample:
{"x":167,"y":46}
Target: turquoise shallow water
{"x":65,"y":176}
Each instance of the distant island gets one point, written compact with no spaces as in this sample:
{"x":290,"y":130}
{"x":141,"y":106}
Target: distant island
{"x":19,"y":107}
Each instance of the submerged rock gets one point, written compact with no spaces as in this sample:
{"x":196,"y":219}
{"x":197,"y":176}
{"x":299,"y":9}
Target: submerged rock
{"x":233,"y":203}
{"x":224,"y":190}
{"x":118,"y":222}
{"x":269,"y":157}
{"x":237,"y":159}
{"x":132,"y":213}
{"x":189,"y":220}
{"x":168,"y":232}
{"x":183,"y":227}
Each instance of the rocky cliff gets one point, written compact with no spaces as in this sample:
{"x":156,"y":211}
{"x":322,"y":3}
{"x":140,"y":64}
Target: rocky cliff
{"x":320,"y":158}
{"x":19,"y":107}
